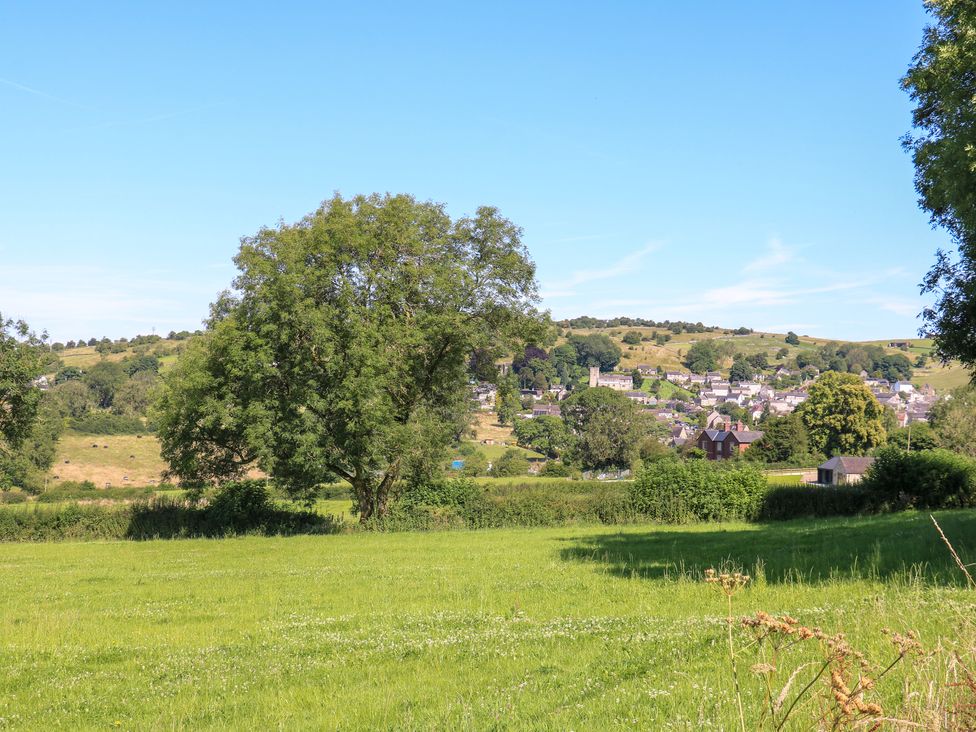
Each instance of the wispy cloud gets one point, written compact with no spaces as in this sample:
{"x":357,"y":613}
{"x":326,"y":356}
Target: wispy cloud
{"x":778,"y":280}
{"x":776,"y":256}
{"x":624,"y":265}
{"x":38,"y":93}
{"x":898,"y":306}
{"x":67,"y":300}
{"x":142,"y":120}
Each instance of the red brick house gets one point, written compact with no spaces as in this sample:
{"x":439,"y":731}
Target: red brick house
{"x":727,"y":441}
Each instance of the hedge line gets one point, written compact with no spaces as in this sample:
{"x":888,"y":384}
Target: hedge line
{"x":665,"y":491}
{"x":235,"y":509}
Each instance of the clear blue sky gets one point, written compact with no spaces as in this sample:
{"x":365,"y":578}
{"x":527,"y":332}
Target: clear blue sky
{"x":734,"y":163}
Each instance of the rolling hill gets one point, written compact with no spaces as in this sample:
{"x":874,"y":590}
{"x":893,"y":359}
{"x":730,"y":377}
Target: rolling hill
{"x":669,"y":355}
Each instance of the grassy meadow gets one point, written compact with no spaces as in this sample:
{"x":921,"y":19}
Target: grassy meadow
{"x":84,"y":357}
{"x":102,"y":459}
{"x":557,"y":628}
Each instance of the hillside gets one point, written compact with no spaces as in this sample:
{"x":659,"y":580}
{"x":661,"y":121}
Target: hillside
{"x":86,"y":356}
{"x":669,"y":355}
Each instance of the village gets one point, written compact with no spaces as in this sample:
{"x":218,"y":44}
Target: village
{"x":723,"y":417}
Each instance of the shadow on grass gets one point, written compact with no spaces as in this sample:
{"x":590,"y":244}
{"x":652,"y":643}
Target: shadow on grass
{"x":903,"y":546}
{"x":179,"y":520}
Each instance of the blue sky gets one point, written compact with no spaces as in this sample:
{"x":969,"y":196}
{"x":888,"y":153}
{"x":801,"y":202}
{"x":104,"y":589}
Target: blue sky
{"x":733,"y":163}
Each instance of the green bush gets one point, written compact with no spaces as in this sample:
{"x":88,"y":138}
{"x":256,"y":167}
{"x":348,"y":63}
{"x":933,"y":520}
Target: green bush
{"x":239,"y":511}
{"x":462,"y":503}
{"x":556,"y":469}
{"x":450,"y":492}
{"x":922,"y":479}
{"x":240,"y":506}
{"x":334,"y":491}
{"x":511,"y":463}
{"x":70,"y":490}
{"x":788,"y":502}
{"x":106,"y":423}
{"x":678,"y":491}
{"x":63,"y":523}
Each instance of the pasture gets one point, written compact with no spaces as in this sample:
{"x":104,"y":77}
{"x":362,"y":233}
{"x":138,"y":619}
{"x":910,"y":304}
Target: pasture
{"x":556,"y":628}
{"x":85,"y":357}
{"x":116,"y":459}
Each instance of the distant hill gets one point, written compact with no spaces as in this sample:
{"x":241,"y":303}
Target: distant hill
{"x":669,"y":355}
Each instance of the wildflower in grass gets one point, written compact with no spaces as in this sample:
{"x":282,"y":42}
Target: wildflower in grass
{"x":730,"y":583}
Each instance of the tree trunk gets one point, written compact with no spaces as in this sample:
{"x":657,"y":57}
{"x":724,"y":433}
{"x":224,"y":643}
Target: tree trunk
{"x":365,"y":498}
{"x":373,"y":498}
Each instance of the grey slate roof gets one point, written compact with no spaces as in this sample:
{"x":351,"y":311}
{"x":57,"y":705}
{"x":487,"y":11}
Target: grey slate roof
{"x":848,"y":465}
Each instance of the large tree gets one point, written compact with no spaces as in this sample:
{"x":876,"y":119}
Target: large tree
{"x":344,"y":351}
{"x":702,"y":357}
{"x":607,"y":428}
{"x":596,"y":349}
{"x":546,"y":434}
{"x":842,"y":416}
{"x":103,"y":379}
{"x":953,"y":420}
{"x":27,"y":434}
{"x":784,"y":440}
{"x":942,"y":83}
{"x":20,"y":365}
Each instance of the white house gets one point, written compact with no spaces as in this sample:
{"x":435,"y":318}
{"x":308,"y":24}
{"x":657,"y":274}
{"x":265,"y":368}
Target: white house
{"x":617,"y":382}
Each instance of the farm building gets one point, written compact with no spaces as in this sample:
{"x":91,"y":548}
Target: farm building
{"x":843,"y":470}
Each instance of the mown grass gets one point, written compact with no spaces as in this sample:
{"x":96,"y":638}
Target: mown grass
{"x":775,"y":479}
{"x":561,"y":628}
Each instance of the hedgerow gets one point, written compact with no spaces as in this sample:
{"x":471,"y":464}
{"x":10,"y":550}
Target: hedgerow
{"x":678,"y":491}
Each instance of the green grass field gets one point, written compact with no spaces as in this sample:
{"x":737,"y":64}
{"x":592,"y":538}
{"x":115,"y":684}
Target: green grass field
{"x":562,"y":628}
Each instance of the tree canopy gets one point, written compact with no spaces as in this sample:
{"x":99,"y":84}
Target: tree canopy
{"x":842,"y":416}
{"x":28,"y":434}
{"x":606,"y":425}
{"x":942,"y":83}
{"x":345,"y":350}
{"x":953,"y":421}
{"x":546,"y":434}
{"x":596,"y":349}
{"x":784,"y":440}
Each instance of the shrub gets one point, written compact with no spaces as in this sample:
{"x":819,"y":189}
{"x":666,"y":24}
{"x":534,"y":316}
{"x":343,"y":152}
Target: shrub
{"x":452,"y":492}
{"x":512,"y":462}
{"x":788,"y":502}
{"x":462,"y":503}
{"x":240,"y":506}
{"x":334,"y":491}
{"x":106,"y":423}
{"x":70,"y":490}
{"x":676,"y":491}
{"x":922,"y":479}
{"x":161,"y":518}
{"x":69,"y":522}
{"x":555,"y":469}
